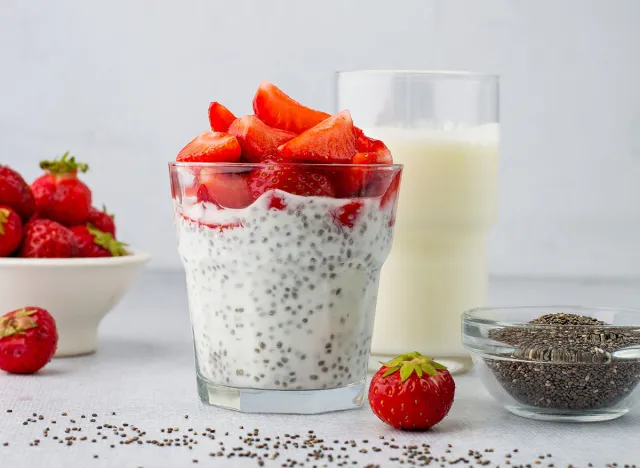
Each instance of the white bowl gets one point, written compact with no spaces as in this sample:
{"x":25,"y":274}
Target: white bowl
{"x":77,"y":292}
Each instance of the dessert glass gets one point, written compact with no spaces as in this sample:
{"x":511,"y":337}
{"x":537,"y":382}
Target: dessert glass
{"x":282,"y":292}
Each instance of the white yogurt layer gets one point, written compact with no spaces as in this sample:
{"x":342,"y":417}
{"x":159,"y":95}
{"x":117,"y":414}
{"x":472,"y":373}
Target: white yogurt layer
{"x":283,"y":299}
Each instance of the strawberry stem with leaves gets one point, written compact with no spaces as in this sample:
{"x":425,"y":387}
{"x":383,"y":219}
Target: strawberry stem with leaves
{"x":409,"y":363}
{"x":65,"y":165}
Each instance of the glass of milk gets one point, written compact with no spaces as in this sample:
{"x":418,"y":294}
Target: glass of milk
{"x":443,"y":126}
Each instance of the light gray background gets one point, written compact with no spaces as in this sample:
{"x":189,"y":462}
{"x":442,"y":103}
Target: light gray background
{"x":125,"y":84}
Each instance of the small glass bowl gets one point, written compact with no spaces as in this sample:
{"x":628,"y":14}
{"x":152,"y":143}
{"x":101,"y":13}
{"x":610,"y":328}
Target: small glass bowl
{"x":557,"y":372}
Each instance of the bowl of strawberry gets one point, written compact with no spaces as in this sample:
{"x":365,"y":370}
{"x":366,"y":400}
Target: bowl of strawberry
{"x":59,"y":252}
{"x":284,"y":220}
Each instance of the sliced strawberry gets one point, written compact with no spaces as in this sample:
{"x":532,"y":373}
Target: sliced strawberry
{"x":288,"y":178}
{"x":220,"y":117}
{"x":211,"y":147}
{"x":331,"y":141}
{"x":364,"y":144}
{"x":390,"y":197}
{"x":365,"y":181}
{"x":348,"y":181}
{"x":372,"y":158}
{"x":347,"y":214}
{"x":278,"y":110}
{"x":257,"y":139}
{"x":225,"y":190}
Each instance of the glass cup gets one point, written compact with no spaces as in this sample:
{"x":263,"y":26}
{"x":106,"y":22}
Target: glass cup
{"x":282,"y":288}
{"x":443,"y":127}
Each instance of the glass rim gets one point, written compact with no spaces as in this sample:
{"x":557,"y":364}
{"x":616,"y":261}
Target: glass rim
{"x":475,"y":316}
{"x":175,"y":164}
{"x":434,"y":74}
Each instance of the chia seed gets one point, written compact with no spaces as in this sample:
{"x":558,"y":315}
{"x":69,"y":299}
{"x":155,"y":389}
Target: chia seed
{"x":569,"y":366}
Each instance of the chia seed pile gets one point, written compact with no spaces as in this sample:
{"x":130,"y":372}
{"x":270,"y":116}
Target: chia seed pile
{"x":571,"y":368}
{"x":101,"y":438}
{"x":283,"y":299}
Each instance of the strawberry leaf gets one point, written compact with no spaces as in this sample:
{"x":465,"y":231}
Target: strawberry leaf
{"x":438,"y":366}
{"x":390,"y":371}
{"x":66,"y":164}
{"x":428,"y":368}
{"x":406,"y":371}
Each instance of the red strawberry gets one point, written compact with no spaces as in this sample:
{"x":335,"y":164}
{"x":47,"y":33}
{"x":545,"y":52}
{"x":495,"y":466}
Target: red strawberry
{"x":347,"y":214}
{"x":102,"y":220}
{"x":44,"y":238}
{"x":391,"y":192}
{"x":10,"y":231}
{"x":411,"y":392}
{"x":371,"y":151}
{"x":16,"y":193}
{"x":331,"y":141}
{"x":92,"y":242}
{"x":359,"y":182}
{"x":278,"y":110}
{"x":60,"y":195}
{"x":211,"y":147}
{"x":257,"y":139}
{"x":288,"y":178}
{"x":349,"y":180}
{"x":220,"y":117}
{"x":28,"y":340}
{"x":224,"y":189}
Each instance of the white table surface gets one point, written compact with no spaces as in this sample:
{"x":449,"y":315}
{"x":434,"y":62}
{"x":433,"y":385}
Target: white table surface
{"x":144,"y":373}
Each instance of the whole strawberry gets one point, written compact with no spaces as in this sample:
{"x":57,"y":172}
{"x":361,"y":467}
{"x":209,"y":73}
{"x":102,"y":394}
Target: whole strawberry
{"x":10,"y":231}
{"x":28,"y":340}
{"x":92,"y":242}
{"x":60,"y":195}
{"x":102,"y":220}
{"x":16,"y":193}
{"x":44,"y":238}
{"x":411,"y":392}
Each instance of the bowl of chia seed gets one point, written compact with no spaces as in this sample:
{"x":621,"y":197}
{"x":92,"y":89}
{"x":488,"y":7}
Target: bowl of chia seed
{"x":557,"y":363}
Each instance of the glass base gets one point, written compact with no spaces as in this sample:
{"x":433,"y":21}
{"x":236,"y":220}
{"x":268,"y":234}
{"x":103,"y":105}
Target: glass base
{"x":546,"y":414}
{"x":456,"y":364}
{"x":251,"y":400}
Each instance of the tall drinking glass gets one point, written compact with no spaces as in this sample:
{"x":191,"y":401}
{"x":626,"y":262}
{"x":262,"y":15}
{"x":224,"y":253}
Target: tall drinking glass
{"x":443,"y":126}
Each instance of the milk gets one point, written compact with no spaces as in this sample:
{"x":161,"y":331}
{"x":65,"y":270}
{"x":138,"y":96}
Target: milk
{"x":437,"y":268}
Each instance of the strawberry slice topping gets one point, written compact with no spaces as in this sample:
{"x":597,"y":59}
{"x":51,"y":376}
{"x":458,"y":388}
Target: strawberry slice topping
{"x":331,"y":141}
{"x":347,"y":214}
{"x":211,"y":147}
{"x":224,"y":190}
{"x":257,"y":139}
{"x":220,"y":117}
{"x":288,"y":178}
{"x":276,"y":109}
{"x":371,"y":151}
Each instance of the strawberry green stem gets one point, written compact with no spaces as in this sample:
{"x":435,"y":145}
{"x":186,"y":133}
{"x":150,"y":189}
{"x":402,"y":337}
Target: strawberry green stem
{"x":17,"y":323}
{"x":106,"y":241}
{"x":409,"y":363}
{"x":65,"y":165}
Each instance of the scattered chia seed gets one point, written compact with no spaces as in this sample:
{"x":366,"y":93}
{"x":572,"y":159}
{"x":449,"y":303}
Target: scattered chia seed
{"x":571,"y":367}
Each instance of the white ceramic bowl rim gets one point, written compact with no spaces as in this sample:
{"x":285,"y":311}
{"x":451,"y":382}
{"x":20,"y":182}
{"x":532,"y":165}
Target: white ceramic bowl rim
{"x":135,"y":256}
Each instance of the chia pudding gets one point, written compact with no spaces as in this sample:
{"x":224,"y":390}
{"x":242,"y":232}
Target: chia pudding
{"x":284,"y":297}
